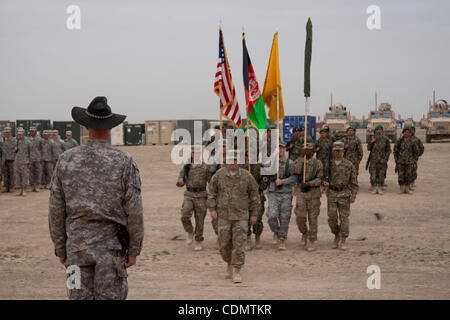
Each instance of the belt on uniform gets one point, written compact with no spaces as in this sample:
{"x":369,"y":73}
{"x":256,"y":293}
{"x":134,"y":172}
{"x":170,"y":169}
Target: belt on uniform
{"x":196,"y":189}
{"x":337,"y":189}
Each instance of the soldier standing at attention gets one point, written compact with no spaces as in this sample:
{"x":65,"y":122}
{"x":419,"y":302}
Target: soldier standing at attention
{"x":56,"y":146}
{"x":295,"y":147}
{"x":35,"y":159}
{"x":294,"y":153}
{"x":95,"y":211}
{"x":8,"y":156}
{"x":195,"y":175}
{"x":380,"y":149}
{"x":47,"y":165}
{"x":308,"y":196}
{"x":233,"y":195}
{"x":421,"y":150}
{"x":342,"y":190}
{"x":322,"y":148}
{"x":406,"y":153}
{"x":280,"y":198}
{"x":22,"y":162}
{"x":69,"y":143}
{"x":353,"y":148}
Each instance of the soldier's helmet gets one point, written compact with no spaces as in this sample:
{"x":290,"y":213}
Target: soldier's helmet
{"x":338,"y":145}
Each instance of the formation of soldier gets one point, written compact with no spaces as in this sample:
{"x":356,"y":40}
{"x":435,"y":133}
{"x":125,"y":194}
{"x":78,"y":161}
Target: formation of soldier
{"x":30,"y":160}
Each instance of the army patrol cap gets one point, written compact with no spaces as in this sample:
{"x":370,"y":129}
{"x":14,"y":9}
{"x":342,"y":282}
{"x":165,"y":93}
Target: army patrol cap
{"x":351,"y":128}
{"x":325,"y":129}
{"x":97,"y":115}
{"x":7,"y":129}
{"x":406,"y":129}
{"x":309,"y":146}
{"x":32,"y":128}
{"x":68,"y":133}
{"x":338,"y":145}
{"x":282,"y":144}
{"x":20,"y":130}
{"x":296,"y":129}
{"x":378,"y":126}
{"x":412,"y":127}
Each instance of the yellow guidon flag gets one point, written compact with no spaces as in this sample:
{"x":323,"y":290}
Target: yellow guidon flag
{"x":272,"y":85}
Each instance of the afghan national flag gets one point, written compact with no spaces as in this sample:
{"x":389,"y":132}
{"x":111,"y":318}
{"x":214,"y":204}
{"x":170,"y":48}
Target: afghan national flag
{"x":256,"y":112}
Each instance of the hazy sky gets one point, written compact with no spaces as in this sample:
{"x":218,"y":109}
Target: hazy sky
{"x":156,"y":60}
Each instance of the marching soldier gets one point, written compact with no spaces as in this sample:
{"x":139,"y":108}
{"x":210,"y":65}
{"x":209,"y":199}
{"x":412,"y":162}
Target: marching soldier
{"x":280,"y":198}
{"x":8,"y":156}
{"x":95,"y":211}
{"x":353,"y":148}
{"x":69,"y":143}
{"x":406,"y":153}
{"x":342,"y":190}
{"x":308,"y":196}
{"x":322,"y":148}
{"x":195,"y":175}
{"x":47,"y":165}
{"x":22,"y":161}
{"x":295,"y":145}
{"x":421,"y":150}
{"x":380,"y":149}
{"x":233,"y":195}
{"x":35,"y":159}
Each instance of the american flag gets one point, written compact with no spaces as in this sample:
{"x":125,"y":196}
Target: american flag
{"x":224,"y":88}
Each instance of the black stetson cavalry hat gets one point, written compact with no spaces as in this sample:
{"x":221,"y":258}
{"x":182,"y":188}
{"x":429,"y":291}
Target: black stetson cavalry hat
{"x":97,"y":115}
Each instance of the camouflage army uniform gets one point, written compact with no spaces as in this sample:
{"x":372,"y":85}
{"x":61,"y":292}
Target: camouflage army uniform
{"x":57,"y":149}
{"x":407,"y":152}
{"x":255,"y":170}
{"x":324,"y":153}
{"x":69,"y":144}
{"x":379,"y":152}
{"x":35,"y":159}
{"x":8,"y":156}
{"x":94,"y":189}
{"x":47,"y":165}
{"x":195,"y":198}
{"x":213,"y":168}
{"x":308,"y":202}
{"x":343,"y":185}
{"x":354,"y":153}
{"x":297,"y":147}
{"x":234,"y":197}
{"x":421,"y":149}
{"x":21,"y":163}
{"x":280,"y":200}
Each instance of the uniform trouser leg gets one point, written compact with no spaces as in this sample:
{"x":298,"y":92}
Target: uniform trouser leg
{"x":338,"y":216}
{"x":103,"y":275}
{"x":382,"y":173}
{"x":405,"y":173}
{"x":198,"y":207}
{"x":273,"y":213}
{"x":414,"y":172}
{"x":307,"y":210}
{"x":47,"y":172}
{"x":373,"y":174}
{"x":35,"y":172}
{"x":8,"y":176}
{"x":21,"y":175}
{"x":232,"y":234}
{"x":258,"y":226}
{"x":279,"y":213}
{"x":215,"y":223}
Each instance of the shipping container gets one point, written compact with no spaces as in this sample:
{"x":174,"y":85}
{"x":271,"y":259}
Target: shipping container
{"x":152,"y":132}
{"x":117,"y":137}
{"x":291,"y":122}
{"x":134,"y":134}
{"x":40,"y":125}
{"x":7,"y":123}
{"x":63,"y":126}
{"x":189,"y":126}
{"x":166,"y":129}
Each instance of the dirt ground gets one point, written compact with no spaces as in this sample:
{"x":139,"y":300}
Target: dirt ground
{"x":410,"y":244}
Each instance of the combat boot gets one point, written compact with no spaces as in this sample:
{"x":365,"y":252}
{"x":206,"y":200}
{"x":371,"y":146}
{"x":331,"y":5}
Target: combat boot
{"x":304,"y":239}
{"x":5,"y":189}
{"x":374,"y":190}
{"x":380,"y":190}
{"x":23,"y":193}
{"x":402,"y":190}
{"x":237,"y":275}
{"x":310,"y":246}
{"x":342,"y":245}
{"x":275,"y":239}
{"x":20,"y":193}
{"x":34,"y":188}
{"x":408,"y":189}
{"x":229,"y":273}
{"x":282,"y":245}
{"x":335,"y":242}
{"x":258,"y":242}
{"x":190,"y":237}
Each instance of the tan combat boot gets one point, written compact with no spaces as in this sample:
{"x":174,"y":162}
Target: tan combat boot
{"x":282,"y":245}
{"x":379,"y":190}
{"x":408,"y":189}
{"x":20,"y":193}
{"x":374,"y":190}
{"x":258,"y":242}
{"x":229,"y":273}
{"x":275,"y":239}
{"x":342,"y":245}
{"x":335,"y":241}
{"x":23,"y":193}
{"x":310,"y":246}
{"x":190,"y":237}
{"x":304,"y":239}
{"x":198,"y":246}
{"x":402,"y":190}
{"x":237,"y":275}
{"x":36,"y":188}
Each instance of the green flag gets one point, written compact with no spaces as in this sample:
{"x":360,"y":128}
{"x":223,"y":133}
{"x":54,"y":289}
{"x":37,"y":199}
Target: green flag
{"x":308,"y":50}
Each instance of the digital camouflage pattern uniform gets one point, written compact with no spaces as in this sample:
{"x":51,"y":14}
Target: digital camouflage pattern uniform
{"x":21,"y":163}
{"x":57,"y":148}
{"x":47,"y":165}
{"x":255,"y":170}
{"x":297,"y":146}
{"x":380,"y":151}
{"x":94,"y":189}
{"x":69,"y":144}
{"x":421,"y":149}
{"x":407,"y":152}
{"x":35,"y":159}
{"x":323,"y":153}
{"x":308,"y":200}
{"x":354,"y":153}
{"x":343,"y":185}
{"x":8,"y":156}
{"x":195,"y":198}
{"x":280,"y":199}
{"x":234,"y":197}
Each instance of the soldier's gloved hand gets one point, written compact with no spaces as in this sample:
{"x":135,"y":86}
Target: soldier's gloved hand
{"x":278,"y":182}
{"x":373,"y":140}
{"x":131,"y":261}
{"x":213,"y":214}
{"x":253,"y":220}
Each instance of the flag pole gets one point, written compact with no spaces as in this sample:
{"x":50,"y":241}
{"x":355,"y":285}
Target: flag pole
{"x":305,"y":139}
{"x":247,"y":134}
{"x":278,"y":142}
{"x":307,"y":86}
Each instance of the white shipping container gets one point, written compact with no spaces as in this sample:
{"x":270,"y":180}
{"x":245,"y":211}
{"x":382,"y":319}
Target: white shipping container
{"x":117,"y":138}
